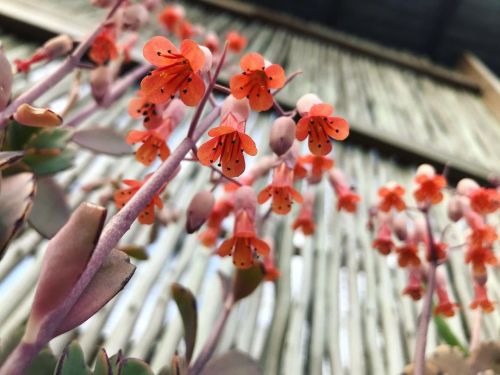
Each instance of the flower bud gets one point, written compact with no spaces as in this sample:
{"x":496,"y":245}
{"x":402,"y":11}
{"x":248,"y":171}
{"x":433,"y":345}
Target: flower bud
{"x":212,"y":42}
{"x":198,"y":211}
{"x":245,"y":199}
{"x":306,"y":101}
{"x":100,"y":82}
{"x":135,"y":16}
{"x":208,"y":59}
{"x":238,"y":107}
{"x":58,"y":46}
{"x":466,"y":186}
{"x":36,"y":117}
{"x":176,"y":111}
{"x":282,"y":135}
{"x":6,"y":79}
{"x":425,"y":169}
{"x":454,"y":208}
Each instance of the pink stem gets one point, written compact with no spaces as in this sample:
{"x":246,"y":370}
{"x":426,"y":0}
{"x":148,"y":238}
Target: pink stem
{"x":65,"y":68}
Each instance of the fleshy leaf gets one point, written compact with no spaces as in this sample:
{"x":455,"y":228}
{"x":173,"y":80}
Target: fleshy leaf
{"x":50,"y":164}
{"x":50,"y":210}
{"x":7,"y":158}
{"x":112,"y":277}
{"x":103,"y":141}
{"x":72,"y":361}
{"x":49,"y":139}
{"x":246,"y":281}
{"x":68,"y":253}
{"x":102,"y":364}
{"x":44,"y":363}
{"x":186,"y":302}
{"x":16,"y":198}
{"x":135,"y":251}
{"x":446,"y":334}
{"x":232,"y":363}
{"x":133,"y":366}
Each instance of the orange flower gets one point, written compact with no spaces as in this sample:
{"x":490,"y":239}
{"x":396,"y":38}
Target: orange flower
{"x":348,"y":201}
{"x":408,"y":255}
{"x":479,"y":257}
{"x":414,"y":287}
{"x":256,"y":81}
{"x":483,"y":235}
{"x":319,"y":164}
{"x":429,"y":189}
{"x":271,"y":273}
{"x":441,"y":254}
{"x":222,"y":208}
{"x":445,"y":307}
{"x":154,"y":142}
{"x":140,"y":106}
{"x":383,"y":242}
{"x":244,"y":245}
{"x":281,"y":191}
{"x":236,"y":41}
{"x":170,"y":16}
{"x":176,"y":72}
{"x":391,"y":197}
{"x":484,"y":201}
{"x":104,"y":47}
{"x":481,"y":299}
{"x":122,"y":196}
{"x":305,"y":219}
{"x":320,"y":125}
{"x":227,"y":145}
{"x":184,"y":30}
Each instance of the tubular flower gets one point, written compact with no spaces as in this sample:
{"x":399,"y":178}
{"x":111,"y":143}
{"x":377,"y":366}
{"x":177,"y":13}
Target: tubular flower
{"x":271,"y":273}
{"x":346,"y":199}
{"x":484,"y":201}
{"x":481,"y":299}
{"x":227,"y":145}
{"x":408,"y":255}
{"x":391,"y":196}
{"x":320,"y":125}
{"x":441,"y":253}
{"x":104,"y":47}
{"x":445,"y":307}
{"x":140,"y":106}
{"x":383,"y":242}
{"x":429,"y":188}
{"x":414,"y":287}
{"x":483,"y":235}
{"x":122,"y":196}
{"x":319,"y":165}
{"x":244,"y":245}
{"x":236,"y":41}
{"x":222,"y":208}
{"x":305,"y":218}
{"x":281,"y":191}
{"x":177,"y":71}
{"x":256,"y":81}
{"x":154,"y":142}
{"x":479,"y":257}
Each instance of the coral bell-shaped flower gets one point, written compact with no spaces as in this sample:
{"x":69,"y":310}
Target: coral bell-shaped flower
{"x":347,"y":200}
{"x":479,"y":257}
{"x":227,"y":145}
{"x":429,"y":186}
{"x":481,"y":299}
{"x":444,"y":307}
{"x":171,"y":16}
{"x":256,"y":81}
{"x":122,"y":196}
{"x":236,"y":41}
{"x":221,"y":209}
{"x":153,"y":142}
{"x":319,"y":165}
{"x":281,"y":191}
{"x":320,"y":126}
{"x":414,"y":287}
{"x":140,"y":106}
{"x":383,"y":242}
{"x":104,"y":46}
{"x":484,"y":201}
{"x":408,"y":255}
{"x":177,"y":71}
{"x":305,"y":218}
{"x":391,"y":196}
{"x":271,"y":273}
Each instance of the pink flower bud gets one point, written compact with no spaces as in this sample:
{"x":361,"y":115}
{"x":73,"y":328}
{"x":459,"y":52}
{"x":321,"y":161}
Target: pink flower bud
{"x":198,"y":211}
{"x":240,"y":108}
{"x":400,"y":226}
{"x":455,"y":211}
{"x":36,"y":117}
{"x":135,"y":16}
{"x":151,"y":4}
{"x":175,"y":111}
{"x":246,"y":200}
{"x":100,"y":82}
{"x":306,"y":101}
{"x":282,"y":135}
{"x":425,"y":169}
{"x":6,"y":79}
{"x":466,"y":186}
{"x":208,"y":59}
{"x":212,"y":42}
{"x":58,"y":46}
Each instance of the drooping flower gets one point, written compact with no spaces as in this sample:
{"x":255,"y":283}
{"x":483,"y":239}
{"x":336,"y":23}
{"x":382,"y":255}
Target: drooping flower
{"x":151,"y":112}
{"x":319,"y":165}
{"x":479,"y":257}
{"x":383,"y":242}
{"x":319,"y":125}
{"x":236,"y":41}
{"x":256,"y":81}
{"x":55,"y":47}
{"x":104,"y":46}
{"x":271,"y":273}
{"x":481,"y":299}
{"x":429,"y":188}
{"x":484,"y":201}
{"x":122,"y":196}
{"x":176,"y":72}
{"x":408,"y":255}
{"x":444,"y":307}
{"x":347,"y":199}
{"x":391,"y":196}
{"x":221,"y":209}
{"x":305,"y":218}
{"x":281,"y":191}
{"x":154,"y":142}
{"x":244,"y":245}
{"x":483,"y":235}
{"x":171,"y":16}
{"x":227,"y":145}
{"x":441,"y":253}
{"x":414,"y":288}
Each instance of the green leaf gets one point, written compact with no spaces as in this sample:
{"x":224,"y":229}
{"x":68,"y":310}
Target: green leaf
{"x":186,"y":302}
{"x":102,"y":364}
{"x":49,"y":139}
{"x":133,"y":366}
{"x":446,"y":334}
{"x":72,"y":361}
{"x":18,"y":135}
{"x":115,"y":361}
{"x":103,"y":141}
{"x":49,"y":164}
{"x":50,"y":202}
{"x":246,"y":281}
{"x":43,"y":364}
{"x":135,"y":251}
{"x":232,"y":363}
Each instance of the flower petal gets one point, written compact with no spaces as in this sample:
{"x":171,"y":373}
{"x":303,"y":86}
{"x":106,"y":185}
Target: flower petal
{"x":135,"y":136}
{"x":261,"y":246}
{"x":239,"y":87}
{"x":206,"y":153}
{"x":192,"y":91}
{"x":275,"y":76}
{"x":260,"y":99}
{"x":158,"y":44}
{"x":226,"y":247}
{"x":252,"y":61}
{"x":192,"y":51}
{"x":220,"y":130}
{"x":147,"y":216}
{"x":337,"y":128}
{"x":321,"y":109}
{"x":247,"y":144}
{"x":265,"y":194}
{"x":156,"y":88}
{"x":302,"y":128}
